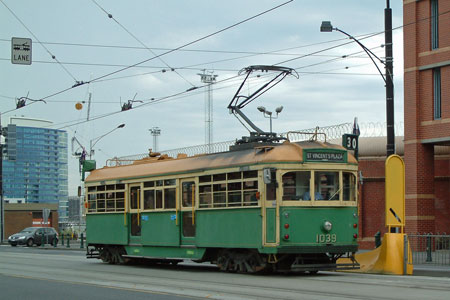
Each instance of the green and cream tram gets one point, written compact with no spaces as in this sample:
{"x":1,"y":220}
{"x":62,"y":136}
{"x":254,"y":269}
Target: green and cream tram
{"x":285,"y":206}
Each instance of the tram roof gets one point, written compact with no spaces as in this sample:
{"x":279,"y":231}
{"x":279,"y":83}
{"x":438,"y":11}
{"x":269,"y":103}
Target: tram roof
{"x":286,"y":152}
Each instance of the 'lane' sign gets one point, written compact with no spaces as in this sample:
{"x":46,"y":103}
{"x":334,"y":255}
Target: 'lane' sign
{"x":21,"y":51}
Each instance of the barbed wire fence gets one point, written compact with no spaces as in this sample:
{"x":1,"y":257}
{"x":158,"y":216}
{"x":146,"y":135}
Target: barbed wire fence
{"x":333,"y":132}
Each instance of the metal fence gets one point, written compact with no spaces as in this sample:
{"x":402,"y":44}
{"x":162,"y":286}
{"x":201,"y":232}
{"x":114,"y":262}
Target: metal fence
{"x":333,"y":132}
{"x":430,"y":248}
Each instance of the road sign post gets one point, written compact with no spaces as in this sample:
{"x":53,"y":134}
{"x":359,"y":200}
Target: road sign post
{"x":21,"y":51}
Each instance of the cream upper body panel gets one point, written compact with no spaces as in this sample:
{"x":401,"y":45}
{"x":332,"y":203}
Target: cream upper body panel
{"x":152,"y":166}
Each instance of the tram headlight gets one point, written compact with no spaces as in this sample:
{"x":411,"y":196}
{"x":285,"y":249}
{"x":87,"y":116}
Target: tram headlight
{"x":327,"y":225}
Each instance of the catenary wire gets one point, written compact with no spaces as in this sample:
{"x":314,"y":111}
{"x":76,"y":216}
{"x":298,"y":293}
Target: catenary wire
{"x":140,"y":42}
{"x":35,"y":37}
{"x":79,"y":83}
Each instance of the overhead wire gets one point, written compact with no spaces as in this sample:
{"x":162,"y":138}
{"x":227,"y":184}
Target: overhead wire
{"x":140,"y":42}
{"x":183,"y":94}
{"x":36,"y":38}
{"x":279,"y":63}
{"x":227,"y":79}
{"x":79,"y":83}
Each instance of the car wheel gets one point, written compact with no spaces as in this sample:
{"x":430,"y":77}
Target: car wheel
{"x":30,"y":243}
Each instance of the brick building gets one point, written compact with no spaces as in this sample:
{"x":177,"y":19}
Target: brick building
{"x":21,"y":215}
{"x":427,"y":113}
{"x":372,"y":161}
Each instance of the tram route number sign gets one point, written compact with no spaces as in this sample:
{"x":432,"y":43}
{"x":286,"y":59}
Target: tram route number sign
{"x":350,"y":141}
{"x":21,"y":51}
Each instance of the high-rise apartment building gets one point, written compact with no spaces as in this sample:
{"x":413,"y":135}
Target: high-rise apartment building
{"x":35,"y":167}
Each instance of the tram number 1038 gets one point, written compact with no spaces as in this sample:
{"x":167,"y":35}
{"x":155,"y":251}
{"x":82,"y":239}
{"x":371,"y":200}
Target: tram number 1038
{"x":326,"y":238}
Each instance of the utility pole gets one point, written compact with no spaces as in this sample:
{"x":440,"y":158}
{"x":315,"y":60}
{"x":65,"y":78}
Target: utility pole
{"x":2,"y":208}
{"x":89,"y":107}
{"x":155,"y":131}
{"x":390,"y":147}
{"x":209,"y":79}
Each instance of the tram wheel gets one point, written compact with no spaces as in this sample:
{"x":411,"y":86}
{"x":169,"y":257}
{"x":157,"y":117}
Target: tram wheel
{"x":240,"y":261}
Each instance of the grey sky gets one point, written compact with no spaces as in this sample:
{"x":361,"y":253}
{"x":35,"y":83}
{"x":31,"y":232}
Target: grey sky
{"x":326,"y":93}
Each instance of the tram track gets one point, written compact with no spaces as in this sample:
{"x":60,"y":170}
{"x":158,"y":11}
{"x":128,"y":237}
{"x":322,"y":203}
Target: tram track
{"x":197,"y":281}
{"x":202,"y":269}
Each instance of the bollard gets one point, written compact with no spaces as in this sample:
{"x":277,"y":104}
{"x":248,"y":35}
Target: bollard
{"x":55,"y":240}
{"x":62,"y":239}
{"x":68,"y":241}
{"x":377,"y":239}
{"x":405,"y":254}
{"x":81,"y":237}
{"x":43,"y":239}
{"x":429,"y":258}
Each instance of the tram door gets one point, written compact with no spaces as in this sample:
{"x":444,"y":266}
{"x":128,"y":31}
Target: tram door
{"x":134,"y":195}
{"x":270,"y":208}
{"x":187,"y":211}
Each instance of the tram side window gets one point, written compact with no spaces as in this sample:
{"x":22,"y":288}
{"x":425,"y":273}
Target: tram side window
{"x":296,"y":186}
{"x":149,"y":199}
{"x":109,"y":198}
{"x":349,"y":186}
{"x":234,"y":189}
{"x":160,"y":194}
{"x":327,"y":185}
{"x":169,"y":198}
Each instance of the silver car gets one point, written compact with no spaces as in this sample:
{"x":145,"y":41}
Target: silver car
{"x":34,"y":235}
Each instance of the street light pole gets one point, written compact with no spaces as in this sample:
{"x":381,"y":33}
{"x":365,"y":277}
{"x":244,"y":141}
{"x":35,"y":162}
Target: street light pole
{"x":97,"y":139}
{"x":387,"y":77}
{"x":390,"y":147}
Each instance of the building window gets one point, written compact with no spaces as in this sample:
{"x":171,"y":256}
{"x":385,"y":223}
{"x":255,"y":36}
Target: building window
{"x":437,"y":93}
{"x":434,"y":24}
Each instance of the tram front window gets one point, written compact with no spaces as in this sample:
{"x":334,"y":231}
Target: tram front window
{"x":296,"y":185}
{"x":349,"y":186}
{"x":327,"y":185}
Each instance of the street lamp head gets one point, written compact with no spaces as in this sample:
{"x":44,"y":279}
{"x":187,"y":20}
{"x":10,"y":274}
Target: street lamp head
{"x":121,"y":126}
{"x":279,"y":109}
{"x":326,"y":26}
{"x":262,"y":109}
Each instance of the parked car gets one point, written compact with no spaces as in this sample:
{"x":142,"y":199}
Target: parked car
{"x":33,"y":235}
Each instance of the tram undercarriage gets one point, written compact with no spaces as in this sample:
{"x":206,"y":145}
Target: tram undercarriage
{"x":236,"y":260}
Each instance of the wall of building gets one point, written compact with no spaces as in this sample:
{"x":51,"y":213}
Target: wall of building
{"x":20,"y":216}
{"x":372,"y":192}
{"x":424,"y":130}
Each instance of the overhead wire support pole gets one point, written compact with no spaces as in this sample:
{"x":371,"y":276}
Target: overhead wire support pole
{"x":390,"y":146}
{"x":2,"y":208}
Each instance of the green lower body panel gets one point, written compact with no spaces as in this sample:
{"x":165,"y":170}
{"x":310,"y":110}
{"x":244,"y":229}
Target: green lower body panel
{"x":231,"y":228}
{"x":107,"y":229}
{"x":165,"y":252}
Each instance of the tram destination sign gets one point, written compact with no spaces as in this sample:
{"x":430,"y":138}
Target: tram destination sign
{"x":324,"y":155}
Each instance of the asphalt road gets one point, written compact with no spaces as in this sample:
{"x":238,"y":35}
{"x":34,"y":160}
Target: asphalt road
{"x":33,"y":273}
